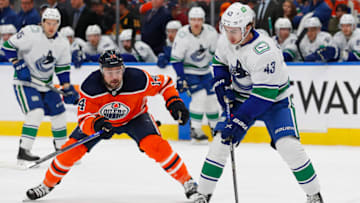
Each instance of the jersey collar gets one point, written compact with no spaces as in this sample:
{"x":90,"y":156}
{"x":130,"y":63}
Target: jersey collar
{"x":255,"y":36}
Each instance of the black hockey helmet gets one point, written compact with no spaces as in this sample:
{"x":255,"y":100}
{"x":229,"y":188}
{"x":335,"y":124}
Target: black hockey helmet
{"x":110,"y":58}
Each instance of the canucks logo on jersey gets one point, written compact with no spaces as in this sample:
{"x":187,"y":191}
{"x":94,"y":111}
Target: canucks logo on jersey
{"x":237,"y":70}
{"x":199,"y":54}
{"x":45,"y":63}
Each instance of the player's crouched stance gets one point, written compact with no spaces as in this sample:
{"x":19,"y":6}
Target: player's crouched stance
{"x":250,"y":69}
{"x":113,"y":99}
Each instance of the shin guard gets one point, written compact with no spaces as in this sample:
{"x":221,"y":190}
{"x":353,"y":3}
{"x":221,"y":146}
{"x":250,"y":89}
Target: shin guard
{"x":63,"y":162}
{"x":295,"y":156}
{"x":160,"y":150}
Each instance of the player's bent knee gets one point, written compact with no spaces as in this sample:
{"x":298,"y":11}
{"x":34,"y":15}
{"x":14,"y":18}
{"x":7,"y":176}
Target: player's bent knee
{"x":68,"y":158}
{"x":35,"y":116}
{"x":155,"y":147}
{"x":291,"y":150}
{"x":58,"y":121}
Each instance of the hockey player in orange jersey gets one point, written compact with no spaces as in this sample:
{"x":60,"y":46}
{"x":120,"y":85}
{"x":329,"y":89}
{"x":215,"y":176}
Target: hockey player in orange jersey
{"x":113,"y":99}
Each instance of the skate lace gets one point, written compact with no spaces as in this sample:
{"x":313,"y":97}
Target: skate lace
{"x":199,"y":198}
{"x":190,"y":186}
{"x":313,"y":199}
{"x":40,"y":190}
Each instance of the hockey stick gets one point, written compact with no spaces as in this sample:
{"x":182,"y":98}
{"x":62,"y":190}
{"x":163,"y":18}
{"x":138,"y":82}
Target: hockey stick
{"x":67,"y":148}
{"x":232,"y":154}
{"x":52,"y":88}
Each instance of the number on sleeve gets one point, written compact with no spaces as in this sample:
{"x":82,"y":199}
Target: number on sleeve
{"x":82,"y":104}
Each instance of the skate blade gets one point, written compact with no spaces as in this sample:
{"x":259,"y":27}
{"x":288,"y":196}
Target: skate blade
{"x":12,"y":165}
{"x":27,"y":164}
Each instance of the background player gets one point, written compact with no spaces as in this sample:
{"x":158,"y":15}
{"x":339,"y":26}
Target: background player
{"x":96,"y":43}
{"x":348,"y":39}
{"x":286,"y":39}
{"x":76,"y":46}
{"x":318,"y":45}
{"x":191,"y":55}
{"x":114,"y":99}
{"x":251,"y":67}
{"x":171,"y":29}
{"x":138,"y":49}
{"x":39,"y":61}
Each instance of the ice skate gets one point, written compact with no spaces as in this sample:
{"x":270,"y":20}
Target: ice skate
{"x":198,"y":136}
{"x":24,"y":157}
{"x":38,"y":192}
{"x":200,"y":198}
{"x":190,"y":187}
{"x":316,"y":198}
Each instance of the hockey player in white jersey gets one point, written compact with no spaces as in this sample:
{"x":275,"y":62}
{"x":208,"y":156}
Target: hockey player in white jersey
{"x":138,"y":49}
{"x":348,"y":39}
{"x":96,"y":43}
{"x":37,"y":52}
{"x":249,"y":70}
{"x":6,"y":32}
{"x":191,"y":55}
{"x":318,"y":45}
{"x":286,"y":39}
{"x":76,"y":46}
{"x":172,"y":28}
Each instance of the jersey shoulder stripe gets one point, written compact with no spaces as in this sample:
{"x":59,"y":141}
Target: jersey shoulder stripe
{"x":135,"y":80}
{"x":93,"y":85}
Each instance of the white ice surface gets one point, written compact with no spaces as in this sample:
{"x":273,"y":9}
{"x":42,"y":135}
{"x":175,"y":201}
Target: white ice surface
{"x":116,"y":171}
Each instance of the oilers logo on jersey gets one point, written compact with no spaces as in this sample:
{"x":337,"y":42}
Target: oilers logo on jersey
{"x":114,"y":110}
{"x":237,"y":70}
{"x":199,"y":54}
{"x":45,"y":63}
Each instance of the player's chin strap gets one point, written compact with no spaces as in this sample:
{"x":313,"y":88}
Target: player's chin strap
{"x":232,"y":154}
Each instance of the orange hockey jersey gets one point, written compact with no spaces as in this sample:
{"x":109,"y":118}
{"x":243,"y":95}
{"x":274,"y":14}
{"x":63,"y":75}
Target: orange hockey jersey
{"x":122,"y":105}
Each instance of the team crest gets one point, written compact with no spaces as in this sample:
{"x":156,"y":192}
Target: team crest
{"x":114,"y":110}
{"x":45,"y":63}
{"x":199,"y":54}
{"x":237,"y":70}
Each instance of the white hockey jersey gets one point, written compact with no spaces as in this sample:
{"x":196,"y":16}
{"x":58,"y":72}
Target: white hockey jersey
{"x":195,"y":52}
{"x":143,"y":52}
{"x":323,"y":39}
{"x":78,"y":44}
{"x":256,"y":68}
{"x":348,"y":45}
{"x":105,"y":43}
{"x":288,"y":45}
{"x":43,"y":56}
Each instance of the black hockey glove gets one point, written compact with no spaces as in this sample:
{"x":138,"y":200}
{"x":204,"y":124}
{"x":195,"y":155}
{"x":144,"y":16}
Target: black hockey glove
{"x":101,"y":123}
{"x":178,"y":110}
{"x":72,"y":96}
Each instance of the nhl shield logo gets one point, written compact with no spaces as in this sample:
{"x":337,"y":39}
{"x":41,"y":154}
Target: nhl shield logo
{"x":114,"y":110}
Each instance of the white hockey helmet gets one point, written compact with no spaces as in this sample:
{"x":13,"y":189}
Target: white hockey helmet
{"x":93,"y":30}
{"x":282,"y":23}
{"x":238,"y":15}
{"x":347,"y":19}
{"x":174,"y":24}
{"x":312,"y":22}
{"x":51,"y":13}
{"x":126,"y":35}
{"x":196,"y":12}
{"x":67,"y":32}
{"x":8,"y":29}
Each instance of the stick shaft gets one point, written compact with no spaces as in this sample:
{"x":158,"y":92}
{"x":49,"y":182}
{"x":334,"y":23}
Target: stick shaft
{"x":67,"y":148}
{"x":232,"y":154}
